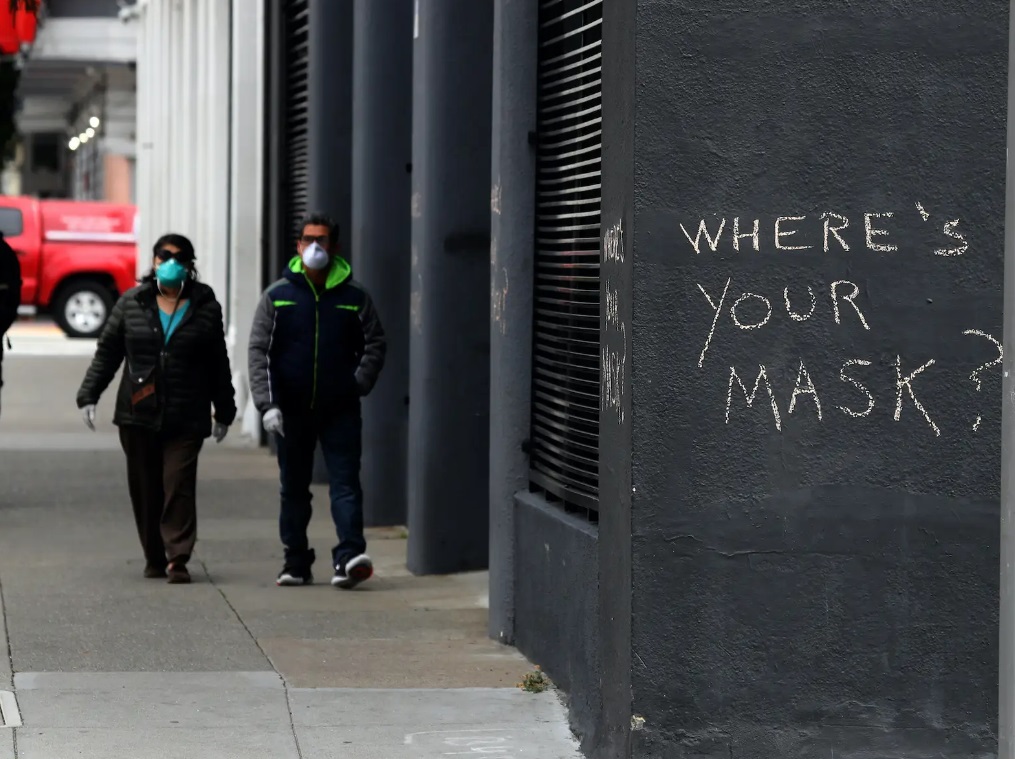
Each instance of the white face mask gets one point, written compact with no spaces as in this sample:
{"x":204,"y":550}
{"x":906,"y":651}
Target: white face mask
{"x":315,"y":257}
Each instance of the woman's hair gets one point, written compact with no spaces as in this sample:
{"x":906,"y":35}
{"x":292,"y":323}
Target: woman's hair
{"x":186,"y":256}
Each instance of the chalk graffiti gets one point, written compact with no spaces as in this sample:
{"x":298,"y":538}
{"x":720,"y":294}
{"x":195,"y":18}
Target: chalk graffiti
{"x":977,"y":375}
{"x":907,"y":384}
{"x":860,"y":385}
{"x":613,"y":349}
{"x":762,"y":377}
{"x":835,"y":290}
{"x":877,"y":232}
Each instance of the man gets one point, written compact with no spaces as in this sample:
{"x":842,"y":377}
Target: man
{"x":10,"y":294}
{"x":317,"y":347}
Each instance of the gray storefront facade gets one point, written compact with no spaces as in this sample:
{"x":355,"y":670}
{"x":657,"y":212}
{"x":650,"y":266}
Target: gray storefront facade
{"x":695,"y":314}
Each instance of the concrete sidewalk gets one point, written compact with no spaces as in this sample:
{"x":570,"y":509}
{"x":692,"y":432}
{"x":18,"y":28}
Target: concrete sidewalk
{"x":104,"y":663}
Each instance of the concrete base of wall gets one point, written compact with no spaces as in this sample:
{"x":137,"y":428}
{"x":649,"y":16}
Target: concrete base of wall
{"x":755,"y":741}
{"x":557,"y":603}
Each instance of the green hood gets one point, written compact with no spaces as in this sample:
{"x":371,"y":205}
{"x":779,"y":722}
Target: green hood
{"x":339,"y":272}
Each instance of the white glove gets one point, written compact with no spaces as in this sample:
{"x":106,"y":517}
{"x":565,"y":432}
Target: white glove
{"x":88,"y":413}
{"x":272,"y":422}
{"x":219,"y":431}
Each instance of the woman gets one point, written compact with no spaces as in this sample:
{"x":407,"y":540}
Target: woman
{"x":170,"y":331}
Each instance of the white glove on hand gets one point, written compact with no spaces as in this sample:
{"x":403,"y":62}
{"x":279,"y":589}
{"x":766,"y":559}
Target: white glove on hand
{"x":219,"y":431}
{"x":88,"y":413}
{"x":272,"y":422}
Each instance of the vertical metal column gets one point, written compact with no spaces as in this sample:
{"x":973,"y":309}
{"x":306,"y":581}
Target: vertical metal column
{"x":329,"y":75}
{"x":330,"y":129}
{"x":512,"y":207}
{"x":274,"y":203}
{"x":450,"y":336}
{"x":1006,"y":674}
{"x":381,"y":236}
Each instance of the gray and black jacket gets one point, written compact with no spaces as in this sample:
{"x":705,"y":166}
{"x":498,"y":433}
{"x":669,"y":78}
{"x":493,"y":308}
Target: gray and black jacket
{"x":314,"y":351}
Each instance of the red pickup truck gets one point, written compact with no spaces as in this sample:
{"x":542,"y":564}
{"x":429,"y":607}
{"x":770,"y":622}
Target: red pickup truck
{"x":76,"y":257}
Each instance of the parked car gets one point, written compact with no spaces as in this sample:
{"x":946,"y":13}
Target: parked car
{"x":76,"y":257}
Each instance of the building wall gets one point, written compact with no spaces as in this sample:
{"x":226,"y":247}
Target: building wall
{"x":199,"y":147}
{"x":815,"y":488}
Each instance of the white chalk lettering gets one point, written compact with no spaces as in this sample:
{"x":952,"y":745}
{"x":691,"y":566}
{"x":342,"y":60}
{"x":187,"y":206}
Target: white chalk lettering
{"x":780,"y":234}
{"x":829,"y":229}
{"x":715,"y":318}
{"x":756,"y":325}
{"x":849,"y":299}
{"x":802,"y":377}
{"x":868,"y":218}
{"x":859,"y":386}
{"x":907,"y":384}
{"x":762,"y":377}
{"x":794,"y":315}
{"x":949,"y":229}
{"x":713,"y":242}
{"x":612,"y":305}
{"x":976,"y":376}
{"x":613,"y":372}
{"x":737,"y":236}
{"x":613,"y":243}
{"x":923,"y":213}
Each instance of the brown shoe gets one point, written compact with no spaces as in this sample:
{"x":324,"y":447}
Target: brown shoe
{"x":178,"y":574}
{"x":153,"y":572}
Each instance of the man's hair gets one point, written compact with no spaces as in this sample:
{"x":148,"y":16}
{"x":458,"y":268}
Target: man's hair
{"x":321,"y":220}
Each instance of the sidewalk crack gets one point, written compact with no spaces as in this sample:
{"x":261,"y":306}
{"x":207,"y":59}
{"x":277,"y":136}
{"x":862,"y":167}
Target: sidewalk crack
{"x":10,"y":657}
{"x":254,"y":640}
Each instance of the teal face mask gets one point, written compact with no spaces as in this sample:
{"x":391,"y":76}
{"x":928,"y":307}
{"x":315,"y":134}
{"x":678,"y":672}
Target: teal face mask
{"x":171,"y":274}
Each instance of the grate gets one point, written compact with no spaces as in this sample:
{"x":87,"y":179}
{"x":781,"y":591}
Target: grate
{"x":565,"y":381}
{"x":296,"y":149}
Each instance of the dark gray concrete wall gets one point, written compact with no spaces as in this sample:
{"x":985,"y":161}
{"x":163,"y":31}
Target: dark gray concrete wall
{"x":816,"y":489}
{"x":449,"y":376}
{"x":381,"y":237}
{"x":512,"y":207}
{"x":557,"y":605}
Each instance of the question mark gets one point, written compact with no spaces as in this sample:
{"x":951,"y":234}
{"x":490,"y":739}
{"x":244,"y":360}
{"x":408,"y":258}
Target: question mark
{"x":976,"y":376}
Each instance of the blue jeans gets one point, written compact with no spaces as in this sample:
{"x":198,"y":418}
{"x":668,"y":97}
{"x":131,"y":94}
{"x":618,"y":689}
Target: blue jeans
{"x":340,"y":436}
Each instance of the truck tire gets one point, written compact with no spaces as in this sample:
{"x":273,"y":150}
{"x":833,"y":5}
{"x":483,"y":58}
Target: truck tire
{"x":82,"y":308}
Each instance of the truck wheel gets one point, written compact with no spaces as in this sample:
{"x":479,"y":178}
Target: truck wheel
{"x":82,"y":308}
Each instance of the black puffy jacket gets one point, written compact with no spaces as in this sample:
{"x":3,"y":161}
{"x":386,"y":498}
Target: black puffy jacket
{"x":191,"y":372}
{"x":10,"y":286}
{"x":315,"y":350}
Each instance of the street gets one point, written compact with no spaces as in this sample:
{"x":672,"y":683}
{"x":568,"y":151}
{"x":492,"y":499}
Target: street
{"x":103,"y":663}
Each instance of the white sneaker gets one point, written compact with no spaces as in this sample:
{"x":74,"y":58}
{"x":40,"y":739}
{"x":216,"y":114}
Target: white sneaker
{"x":356,"y":570}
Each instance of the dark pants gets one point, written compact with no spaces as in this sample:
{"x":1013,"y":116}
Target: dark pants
{"x":162,"y":480}
{"x":340,"y":436}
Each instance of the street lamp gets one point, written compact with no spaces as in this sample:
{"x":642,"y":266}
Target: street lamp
{"x":74,"y":143}
{"x":94,"y":122}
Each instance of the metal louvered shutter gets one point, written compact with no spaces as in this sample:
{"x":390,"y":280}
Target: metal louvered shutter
{"x":565,"y":382}
{"x":296,"y":149}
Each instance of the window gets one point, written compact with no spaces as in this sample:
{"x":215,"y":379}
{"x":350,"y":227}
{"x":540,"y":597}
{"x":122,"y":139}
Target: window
{"x":11,"y":223}
{"x":46,"y":149}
